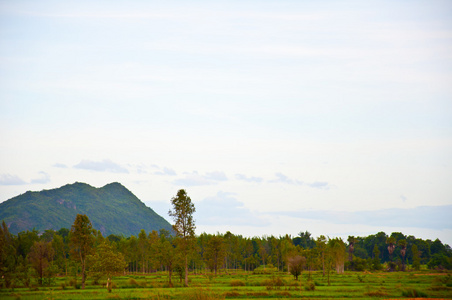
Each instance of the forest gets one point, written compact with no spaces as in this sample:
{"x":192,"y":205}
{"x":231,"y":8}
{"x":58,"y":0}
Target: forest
{"x":44,"y":256}
{"x":31,"y":258}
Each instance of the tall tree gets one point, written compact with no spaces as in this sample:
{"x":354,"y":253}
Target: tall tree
{"x":167,"y":255}
{"x":376,"y":264}
{"x":81,"y":241}
{"x":106,"y":261}
{"x":391,"y":241}
{"x":143,"y":248}
{"x":402,"y":244}
{"x":8,"y":255}
{"x":321,"y":246}
{"x":41,"y":256}
{"x":337,"y":249}
{"x":351,"y":247}
{"x":215,"y":252}
{"x":416,"y":257}
{"x":184,"y":224}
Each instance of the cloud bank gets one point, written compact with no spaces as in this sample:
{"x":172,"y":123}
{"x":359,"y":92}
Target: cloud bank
{"x":433,"y":217}
{"x":105,"y":165}
{"x":196,"y":179}
{"x":225,"y":209}
{"x":8,"y":179}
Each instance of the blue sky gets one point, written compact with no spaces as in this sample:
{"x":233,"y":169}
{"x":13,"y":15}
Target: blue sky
{"x":276,"y":116}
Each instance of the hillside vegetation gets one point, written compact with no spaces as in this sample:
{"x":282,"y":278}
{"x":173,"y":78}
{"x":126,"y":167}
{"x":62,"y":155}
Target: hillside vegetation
{"x":112,"y":209}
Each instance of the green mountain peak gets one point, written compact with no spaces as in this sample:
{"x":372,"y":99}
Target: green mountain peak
{"x":112,"y":209}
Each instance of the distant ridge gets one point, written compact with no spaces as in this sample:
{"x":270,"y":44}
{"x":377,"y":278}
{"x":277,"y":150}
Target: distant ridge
{"x":112,"y":209}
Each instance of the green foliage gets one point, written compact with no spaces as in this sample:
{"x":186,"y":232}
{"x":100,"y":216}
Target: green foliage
{"x":106,"y":261}
{"x":268,"y":269}
{"x":309,"y":286}
{"x":112,"y":209}
{"x":184,"y":225}
{"x":416,"y":258}
{"x":414,"y":293}
{"x":376,"y":264}
{"x":237,"y":282}
{"x":440,"y":261}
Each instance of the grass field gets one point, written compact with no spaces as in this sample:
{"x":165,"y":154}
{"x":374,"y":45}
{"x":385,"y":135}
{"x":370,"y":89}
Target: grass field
{"x":242,"y":285}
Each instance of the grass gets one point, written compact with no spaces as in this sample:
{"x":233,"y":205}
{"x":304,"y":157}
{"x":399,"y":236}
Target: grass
{"x":242,"y":285}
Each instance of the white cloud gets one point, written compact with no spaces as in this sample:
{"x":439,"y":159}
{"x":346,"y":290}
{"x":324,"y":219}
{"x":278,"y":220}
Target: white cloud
{"x":43,"y":179}
{"x":166,"y":171}
{"x":225,"y":209}
{"x":105,"y":165}
{"x":248,"y":179}
{"x":216,"y":176}
{"x":60,"y":165}
{"x":281,"y":178}
{"x":196,"y":179}
{"x":8,"y":179}
{"x":193,"y":179}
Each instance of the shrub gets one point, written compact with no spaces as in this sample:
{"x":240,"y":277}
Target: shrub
{"x":258,"y":294}
{"x":73,"y":282}
{"x":411,"y":292}
{"x":231,"y":294}
{"x":200,"y":294}
{"x":378,"y":293}
{"x":273,"y":283}
{"x":237,"y":282}
{"x":318,"y":283}
{"x":277,"y":281}
{"x":310,"y":286}
{"x":268,"y":269}
{"x":132,"y":282}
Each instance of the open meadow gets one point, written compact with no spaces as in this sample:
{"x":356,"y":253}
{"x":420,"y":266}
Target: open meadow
{"x":243,"y":285}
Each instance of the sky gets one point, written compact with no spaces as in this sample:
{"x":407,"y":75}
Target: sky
{"x":277,"y":117}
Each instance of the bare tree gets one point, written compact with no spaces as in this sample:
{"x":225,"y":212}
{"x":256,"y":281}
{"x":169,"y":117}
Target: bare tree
{"x":296,"y":265}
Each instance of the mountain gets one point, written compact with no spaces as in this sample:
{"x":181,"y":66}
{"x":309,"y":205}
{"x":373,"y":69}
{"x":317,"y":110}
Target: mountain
{"x":112,"y":209}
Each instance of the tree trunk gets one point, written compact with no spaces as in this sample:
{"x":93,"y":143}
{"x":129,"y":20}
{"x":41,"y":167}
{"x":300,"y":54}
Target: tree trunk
{"x":186,"y":270}
{"x":109,"y":284}
{"x":83,"y":274}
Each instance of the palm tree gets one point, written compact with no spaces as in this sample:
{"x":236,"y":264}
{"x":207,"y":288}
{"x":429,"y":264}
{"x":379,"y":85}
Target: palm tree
{"x":351,"y":247}
{"x":402,"y":243}
{"x":391,"y":247}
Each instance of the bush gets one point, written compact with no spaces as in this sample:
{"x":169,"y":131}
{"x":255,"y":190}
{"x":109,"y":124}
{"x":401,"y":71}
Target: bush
{"x":273,"y":283}
{"x":414,"y":293}
{"x":132,"y":282}
{"x":231,"y":294}
{"x":200,"y":294}
{"x":310,"y":286}
{"x":237,"y":282}
{"x":378,"y":293}
{"x":268,"y":269}
{"x":73,"y":282}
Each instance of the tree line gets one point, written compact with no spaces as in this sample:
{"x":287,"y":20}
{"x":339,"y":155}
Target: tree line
{"x":82,"y":250}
